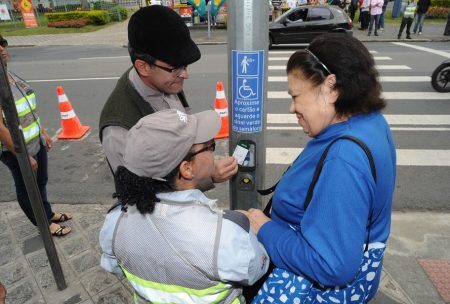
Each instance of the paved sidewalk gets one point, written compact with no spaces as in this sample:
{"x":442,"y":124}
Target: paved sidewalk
{"x":117,"y":35}
{"x":24,"y":269}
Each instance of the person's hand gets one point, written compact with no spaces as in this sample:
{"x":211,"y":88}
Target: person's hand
{"x":224,"y":169}
{"x":34,"y":164}
{"x":48,"y":140}
{"x":257,"y":218}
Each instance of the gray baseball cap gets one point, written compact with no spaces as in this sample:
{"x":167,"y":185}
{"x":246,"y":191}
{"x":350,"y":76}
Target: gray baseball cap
{"x":159,"y":141}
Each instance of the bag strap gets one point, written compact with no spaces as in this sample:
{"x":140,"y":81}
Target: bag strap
{"x":322,"y":159}
{"x":316,"y":175}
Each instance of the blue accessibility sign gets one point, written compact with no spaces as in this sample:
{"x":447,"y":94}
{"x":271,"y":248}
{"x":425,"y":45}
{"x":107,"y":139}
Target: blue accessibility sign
{"x":247,"y":89}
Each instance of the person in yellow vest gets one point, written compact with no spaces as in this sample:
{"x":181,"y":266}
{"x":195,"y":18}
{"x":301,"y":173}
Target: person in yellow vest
{"x":409,"y":9}
{"x":37,"y":142}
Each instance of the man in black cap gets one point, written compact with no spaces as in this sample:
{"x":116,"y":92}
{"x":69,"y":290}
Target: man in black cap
{"x":161,"y":49}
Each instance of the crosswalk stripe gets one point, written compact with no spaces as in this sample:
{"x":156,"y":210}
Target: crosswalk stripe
{"x":411,"y":129}
{"x":72,"y":79}
{"x":432,"y":120}
{"x":292,"y":52}
{"x":386,"y":95}
{"x":382,"y":79}
{"x":405,"y":157}
{"x":378,"y":67}
{"x":425,"y":49}
{"x":287,"y":58}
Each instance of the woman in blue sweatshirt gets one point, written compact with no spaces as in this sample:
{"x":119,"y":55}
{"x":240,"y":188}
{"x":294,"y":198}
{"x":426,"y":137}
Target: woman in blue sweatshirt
{"x":331,"y":251}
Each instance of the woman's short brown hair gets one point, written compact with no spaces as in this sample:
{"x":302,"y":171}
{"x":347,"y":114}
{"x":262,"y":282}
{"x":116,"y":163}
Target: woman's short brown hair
{"x":354,"y":67}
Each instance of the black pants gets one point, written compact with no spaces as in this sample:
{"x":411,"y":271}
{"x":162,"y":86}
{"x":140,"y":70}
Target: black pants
{"x":447,"y":26}
{"x":42,"y":177}
{"x":365,"y":20}
{"x":407,"y":22}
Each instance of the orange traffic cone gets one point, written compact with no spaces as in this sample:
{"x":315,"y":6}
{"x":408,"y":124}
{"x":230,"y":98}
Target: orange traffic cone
{"x":221,"y":107}
{"x":71,"y":126}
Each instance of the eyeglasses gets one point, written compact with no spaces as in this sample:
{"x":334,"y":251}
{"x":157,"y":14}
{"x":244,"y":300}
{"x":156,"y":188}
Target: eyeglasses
{"x":3,"y":42}
{"x":318,"y":61}
{"x":211,"y":147}
{"x":177,"y":71}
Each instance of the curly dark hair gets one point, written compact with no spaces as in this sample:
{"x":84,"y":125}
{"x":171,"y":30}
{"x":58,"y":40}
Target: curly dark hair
{"x":354,"y":67}
{"x":132,"y":189}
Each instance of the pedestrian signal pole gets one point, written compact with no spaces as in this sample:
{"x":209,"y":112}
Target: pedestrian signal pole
{"x":248,"y":41}
{"x":12,"y":121}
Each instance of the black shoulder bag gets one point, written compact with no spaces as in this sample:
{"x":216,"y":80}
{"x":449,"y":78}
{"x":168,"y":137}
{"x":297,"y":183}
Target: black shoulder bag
{"x":250,"y":292}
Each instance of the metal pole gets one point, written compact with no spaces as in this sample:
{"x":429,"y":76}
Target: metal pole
{"x":12,"y":120}
{"x":209,"y":21}
{"x":248,"y":41}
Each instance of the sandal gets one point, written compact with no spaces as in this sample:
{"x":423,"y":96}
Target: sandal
{"x":62,"y":218}
{"x":60,"y":231}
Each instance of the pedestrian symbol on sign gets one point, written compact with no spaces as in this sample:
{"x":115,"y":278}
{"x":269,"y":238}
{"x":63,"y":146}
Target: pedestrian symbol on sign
{"x":245,"y":64}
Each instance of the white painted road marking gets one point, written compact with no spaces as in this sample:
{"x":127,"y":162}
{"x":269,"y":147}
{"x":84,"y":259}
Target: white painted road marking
{"x":378,"y":67}
{"x":73,"y":79}
{"x":110,"y":57}
{"x":425,"y":49}
{"x":382,"y":79}
{"x":413,"y":129}
{"x":405,"y":157}
{"x":287,"y":58}
{"x":292,"y":52}
{"x":432,"y":120}
{"x":387,"y":95}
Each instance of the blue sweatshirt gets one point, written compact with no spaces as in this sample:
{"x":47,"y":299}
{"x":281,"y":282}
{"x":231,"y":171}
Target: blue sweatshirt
{"x":326,"y":242}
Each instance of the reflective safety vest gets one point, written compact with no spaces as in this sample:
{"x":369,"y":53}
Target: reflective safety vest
{"x":170,"y":256}
{"x":25,"y":101}
{"x":409,"y":11}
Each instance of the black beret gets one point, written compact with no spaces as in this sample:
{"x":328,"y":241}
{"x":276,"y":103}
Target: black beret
{"x":159,"y":31}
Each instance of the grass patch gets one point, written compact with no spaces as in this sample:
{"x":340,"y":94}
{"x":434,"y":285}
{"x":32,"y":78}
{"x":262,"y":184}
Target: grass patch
{"x":44,"y":30}
{"x":18,"y":28}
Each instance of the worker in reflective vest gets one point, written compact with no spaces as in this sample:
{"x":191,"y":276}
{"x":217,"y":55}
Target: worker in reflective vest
{"x":37,"y":142}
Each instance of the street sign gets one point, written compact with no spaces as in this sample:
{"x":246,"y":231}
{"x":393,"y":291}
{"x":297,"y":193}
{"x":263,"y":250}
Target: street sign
{"x":248,"y":84}
{"x":4,"y":13}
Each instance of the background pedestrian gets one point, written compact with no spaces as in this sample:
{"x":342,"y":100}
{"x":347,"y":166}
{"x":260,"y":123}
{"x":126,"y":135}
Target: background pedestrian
{"x":376,"y":7}
{"x":421,"y":13}
{"x":408,"y":10}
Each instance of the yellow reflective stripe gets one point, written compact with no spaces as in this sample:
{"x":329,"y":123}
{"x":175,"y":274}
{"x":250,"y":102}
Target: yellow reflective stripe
{"x":236,"y":301}
{"x":24,"y":103}
{"x":173,"y":288}
{"x":31,"y":131}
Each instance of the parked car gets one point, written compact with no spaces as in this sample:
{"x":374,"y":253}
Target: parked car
{"x":302,"y":24}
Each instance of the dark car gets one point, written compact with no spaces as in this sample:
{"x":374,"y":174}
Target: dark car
{"x":302,"y":24}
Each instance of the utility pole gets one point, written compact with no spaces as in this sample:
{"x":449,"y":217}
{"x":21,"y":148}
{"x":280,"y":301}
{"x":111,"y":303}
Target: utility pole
{"x":248,"y":41}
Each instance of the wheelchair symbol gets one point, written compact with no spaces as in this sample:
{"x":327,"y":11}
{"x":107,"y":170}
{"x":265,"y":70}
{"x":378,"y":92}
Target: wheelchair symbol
{"x":245,"y":91}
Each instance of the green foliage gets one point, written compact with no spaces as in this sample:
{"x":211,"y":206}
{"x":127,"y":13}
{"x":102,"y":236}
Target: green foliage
{"x":94,"y":17}
{"x":444,"y":3}
{"x":66,"y":16}
{"x":118,"y":13}
{"x":98,"y":17}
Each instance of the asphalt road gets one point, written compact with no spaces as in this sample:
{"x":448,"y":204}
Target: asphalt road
{"x":420,"y":117}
